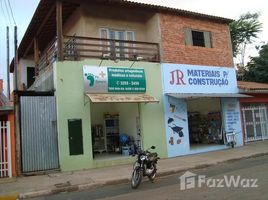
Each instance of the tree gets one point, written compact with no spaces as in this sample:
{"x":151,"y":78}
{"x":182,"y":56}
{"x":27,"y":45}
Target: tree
{"x":257,"y":68}
{"x":243,"y":32}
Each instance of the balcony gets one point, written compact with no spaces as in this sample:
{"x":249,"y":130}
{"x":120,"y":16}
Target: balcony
{"x":80,"y":48}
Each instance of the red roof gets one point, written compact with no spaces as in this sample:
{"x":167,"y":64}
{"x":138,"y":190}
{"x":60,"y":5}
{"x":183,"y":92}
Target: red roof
{"x":252,"y":86}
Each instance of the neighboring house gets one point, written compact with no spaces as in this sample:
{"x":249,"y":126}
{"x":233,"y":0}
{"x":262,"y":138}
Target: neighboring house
{"x":254,"y":110}
{"x":99,"y":67}
{"x":7,"y":137}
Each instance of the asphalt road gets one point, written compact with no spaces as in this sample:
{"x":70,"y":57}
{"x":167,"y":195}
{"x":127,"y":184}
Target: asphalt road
{"x":242,"y":179}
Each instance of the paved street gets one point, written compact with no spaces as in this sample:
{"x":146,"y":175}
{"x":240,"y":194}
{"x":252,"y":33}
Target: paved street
{"x":168,"y":188}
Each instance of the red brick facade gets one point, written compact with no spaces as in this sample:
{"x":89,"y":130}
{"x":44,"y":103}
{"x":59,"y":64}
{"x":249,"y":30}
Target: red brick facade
{"x":174,"y":49}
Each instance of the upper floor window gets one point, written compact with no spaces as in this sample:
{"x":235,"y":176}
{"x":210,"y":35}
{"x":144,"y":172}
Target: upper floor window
{"x":118,"y":49}
{"x":197,"y":38}
{"x":116,"y":34}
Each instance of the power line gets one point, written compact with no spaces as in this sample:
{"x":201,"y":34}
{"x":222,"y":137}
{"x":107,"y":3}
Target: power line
{"x":4,"y":13}
{"x":11,"y":12}
{"x":7,"y":12}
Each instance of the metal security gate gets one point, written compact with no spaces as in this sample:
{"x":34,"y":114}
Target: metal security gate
{"x":255,"y":122}
{"x":39,"y":141}
{"x":5,"y":150}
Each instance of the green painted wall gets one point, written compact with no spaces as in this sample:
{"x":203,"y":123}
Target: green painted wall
{"x":72,"y":104}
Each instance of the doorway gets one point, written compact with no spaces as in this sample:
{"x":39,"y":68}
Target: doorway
{"x":205,"y":123}
{"x":115,"y":129}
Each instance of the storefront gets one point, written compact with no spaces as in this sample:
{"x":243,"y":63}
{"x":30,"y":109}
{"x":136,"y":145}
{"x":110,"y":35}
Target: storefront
{"x":201,"y":104}
{"x":104,"y":113}
{"x":115,"y":95}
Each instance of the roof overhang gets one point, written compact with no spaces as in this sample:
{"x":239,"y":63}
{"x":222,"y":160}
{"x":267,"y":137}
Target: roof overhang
{"x":43,"y":22}
{"x":121,"y":98}
{"x":206,"y":95}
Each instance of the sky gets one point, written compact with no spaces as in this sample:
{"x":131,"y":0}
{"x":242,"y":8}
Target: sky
{"x":23,"y":11}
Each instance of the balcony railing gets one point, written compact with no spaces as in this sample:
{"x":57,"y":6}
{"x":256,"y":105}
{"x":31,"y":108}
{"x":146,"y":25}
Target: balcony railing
{"x":79,"y":48}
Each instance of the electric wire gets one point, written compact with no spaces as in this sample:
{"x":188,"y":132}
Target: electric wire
{"x":7,"y":10}
{"x":11,"y":12}
{"x":4,"y":14}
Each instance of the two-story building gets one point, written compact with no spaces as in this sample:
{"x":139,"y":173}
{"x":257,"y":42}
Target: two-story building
{"x":199,"y":83}
{"x":103,"y":79}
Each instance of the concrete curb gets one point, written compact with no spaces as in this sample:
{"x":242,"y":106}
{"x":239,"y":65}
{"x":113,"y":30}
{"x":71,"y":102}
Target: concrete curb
{"x":86,"y":186}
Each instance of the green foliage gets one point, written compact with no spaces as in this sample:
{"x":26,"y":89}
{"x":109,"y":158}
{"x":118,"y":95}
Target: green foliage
{"x":243,"y":32}
{"x":258,"y":67}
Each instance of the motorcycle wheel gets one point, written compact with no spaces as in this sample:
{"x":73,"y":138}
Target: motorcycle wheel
{"x":153,"y":174}
{"x":136,"y":178}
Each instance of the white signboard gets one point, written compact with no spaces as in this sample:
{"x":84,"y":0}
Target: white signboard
{"x":180,"y":78}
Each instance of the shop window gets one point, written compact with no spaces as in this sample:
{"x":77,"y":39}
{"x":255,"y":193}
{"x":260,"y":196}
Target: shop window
{"x":197,"y":38}
{"x":75,"y":136}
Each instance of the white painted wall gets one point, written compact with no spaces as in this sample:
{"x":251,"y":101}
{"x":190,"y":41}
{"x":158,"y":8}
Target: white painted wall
{"x":22,"y":71}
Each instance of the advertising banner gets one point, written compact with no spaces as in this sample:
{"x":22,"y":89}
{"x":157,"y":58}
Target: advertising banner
{"x":176,"y":122}
{"x":180,"y":78}
{"x":232,"y":118}
{"x":113,"y":80}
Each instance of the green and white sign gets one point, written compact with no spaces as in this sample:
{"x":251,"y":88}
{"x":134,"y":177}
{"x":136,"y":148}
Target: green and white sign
{"x":113,"y":80}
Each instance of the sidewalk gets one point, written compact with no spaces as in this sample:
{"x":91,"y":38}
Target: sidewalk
{"x":32,"y":186}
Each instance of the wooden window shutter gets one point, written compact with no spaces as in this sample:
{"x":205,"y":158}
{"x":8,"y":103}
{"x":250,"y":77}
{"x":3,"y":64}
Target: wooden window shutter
{"x":104,"y":33}
{"x":207,"y":37}
{"x":188,"y":36}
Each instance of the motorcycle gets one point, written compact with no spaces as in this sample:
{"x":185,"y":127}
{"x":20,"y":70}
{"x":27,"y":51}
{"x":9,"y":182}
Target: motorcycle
{"x":145,"y":165}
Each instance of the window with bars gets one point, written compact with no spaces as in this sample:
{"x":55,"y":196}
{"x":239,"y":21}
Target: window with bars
{"x":197,"y":38}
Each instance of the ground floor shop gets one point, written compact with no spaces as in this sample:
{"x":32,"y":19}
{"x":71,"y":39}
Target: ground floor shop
{"x":200,"y":124}
{"x":98,"y":128}
{"x":115,"y":129}
{"x":201,"y":105}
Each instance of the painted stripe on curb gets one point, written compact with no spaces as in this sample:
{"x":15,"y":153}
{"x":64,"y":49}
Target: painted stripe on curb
{"x":9,"y":197}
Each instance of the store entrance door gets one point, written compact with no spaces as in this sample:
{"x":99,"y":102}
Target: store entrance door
{"x":205,"y":123}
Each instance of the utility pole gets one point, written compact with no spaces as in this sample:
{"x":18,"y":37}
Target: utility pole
{"x":16,"y":104}
{"x":8,"y":81}
{"x":15,"y":58}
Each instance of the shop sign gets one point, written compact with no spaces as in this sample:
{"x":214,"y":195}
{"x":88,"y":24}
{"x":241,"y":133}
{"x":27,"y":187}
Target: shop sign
{"x":180,"y":78}
{"x":232,"y":117}
{"x":114,"y":80}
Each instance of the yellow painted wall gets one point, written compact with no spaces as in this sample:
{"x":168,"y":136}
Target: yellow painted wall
{"x":87,"y":21}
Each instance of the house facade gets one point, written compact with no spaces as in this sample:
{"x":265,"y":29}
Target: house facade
{"x":101,"y":74}
{"x":7,"y":136}
{"x":254,"y":110}
{"x":200,"y":90}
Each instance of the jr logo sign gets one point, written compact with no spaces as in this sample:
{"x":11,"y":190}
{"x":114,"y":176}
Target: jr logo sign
{"x":177,"y":77}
